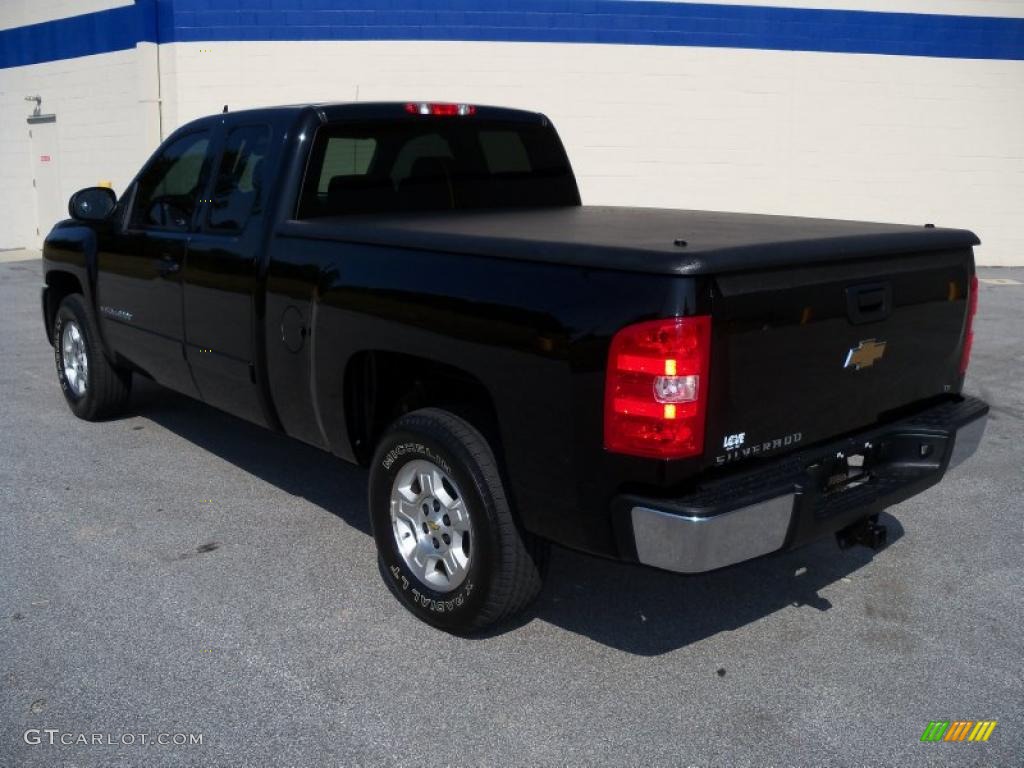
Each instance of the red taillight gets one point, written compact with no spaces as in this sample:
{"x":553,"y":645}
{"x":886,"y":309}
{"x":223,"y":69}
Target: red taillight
{"x":441,"y":110}
{"x":656,"y":389}
{"x":972,"y":310}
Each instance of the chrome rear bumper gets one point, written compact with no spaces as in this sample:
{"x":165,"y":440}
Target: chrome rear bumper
{"x":695,"y":544}
{"x":968,"y":438}
{"x":740,"y":520}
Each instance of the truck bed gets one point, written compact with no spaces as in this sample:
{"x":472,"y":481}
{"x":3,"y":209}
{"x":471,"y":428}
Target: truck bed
{"x":637,"y":239}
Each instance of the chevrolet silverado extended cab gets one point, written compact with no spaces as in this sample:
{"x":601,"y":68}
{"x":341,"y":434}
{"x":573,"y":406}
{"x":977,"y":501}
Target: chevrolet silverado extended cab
{"x":417,"y":288}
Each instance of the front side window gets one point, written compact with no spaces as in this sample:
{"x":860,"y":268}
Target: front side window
{"x":168,"y":190}
{"x":238,"y":185}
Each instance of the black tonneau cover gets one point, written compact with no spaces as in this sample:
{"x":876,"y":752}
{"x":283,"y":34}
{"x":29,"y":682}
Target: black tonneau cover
{"x":636,"y":239}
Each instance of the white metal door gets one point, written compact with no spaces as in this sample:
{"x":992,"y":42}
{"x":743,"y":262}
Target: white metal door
{"x":50,"y":204}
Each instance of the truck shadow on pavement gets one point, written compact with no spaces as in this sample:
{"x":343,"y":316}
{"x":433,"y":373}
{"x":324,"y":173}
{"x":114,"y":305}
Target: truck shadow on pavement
{"x":649,"y":612}
{"x":635,"y":609}
{"x":289,"y":464}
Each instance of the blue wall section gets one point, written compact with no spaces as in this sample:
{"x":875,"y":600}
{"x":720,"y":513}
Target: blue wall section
{"x":603,"y":21}
{"x":100,"y":32}
{"x":555,"y":21}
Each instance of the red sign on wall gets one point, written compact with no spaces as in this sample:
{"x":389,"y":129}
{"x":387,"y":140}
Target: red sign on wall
{"x":44,"y":158}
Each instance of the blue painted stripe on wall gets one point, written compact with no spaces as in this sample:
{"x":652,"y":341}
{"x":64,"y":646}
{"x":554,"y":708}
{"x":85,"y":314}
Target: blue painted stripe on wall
{"x":603,"y":21}
{"x":553,"y":21}
{"x":91,"y":33}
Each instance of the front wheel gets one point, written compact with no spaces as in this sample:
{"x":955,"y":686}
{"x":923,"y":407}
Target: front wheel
{"x":92,"y":386}
{"x":448,"y":545}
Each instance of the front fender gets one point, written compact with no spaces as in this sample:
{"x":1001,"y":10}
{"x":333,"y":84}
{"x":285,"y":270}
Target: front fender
{"x":70,"y":251}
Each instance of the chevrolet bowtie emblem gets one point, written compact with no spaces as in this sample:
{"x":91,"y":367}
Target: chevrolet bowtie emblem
{"x":433,"y":526}
{"x":865,"y":354}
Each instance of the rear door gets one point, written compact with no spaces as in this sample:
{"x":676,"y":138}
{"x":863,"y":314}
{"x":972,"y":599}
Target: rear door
{"x":221,"y":273}
{"x":803,"y":354}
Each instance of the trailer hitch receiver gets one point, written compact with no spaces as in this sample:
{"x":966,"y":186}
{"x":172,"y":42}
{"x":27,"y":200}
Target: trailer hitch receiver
{"x":866,"y":532}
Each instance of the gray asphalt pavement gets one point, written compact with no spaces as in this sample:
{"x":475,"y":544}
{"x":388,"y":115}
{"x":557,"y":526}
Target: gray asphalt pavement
{"x":178,"y":571}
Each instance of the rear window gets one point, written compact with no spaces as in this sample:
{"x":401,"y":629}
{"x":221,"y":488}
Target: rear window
{"x":504,"y":152}
{"x":344,"y":156}
{"x":432,"y":164}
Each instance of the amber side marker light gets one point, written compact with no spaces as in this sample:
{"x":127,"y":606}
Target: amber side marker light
{"x":656,"y":388}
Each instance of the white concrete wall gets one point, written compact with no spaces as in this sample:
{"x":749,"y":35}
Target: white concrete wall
{"x":105,"y":131}
{"x":887,"y":138}
{"x":884,"y":138}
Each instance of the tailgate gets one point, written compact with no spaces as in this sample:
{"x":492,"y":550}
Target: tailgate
{"x":803,"y":354}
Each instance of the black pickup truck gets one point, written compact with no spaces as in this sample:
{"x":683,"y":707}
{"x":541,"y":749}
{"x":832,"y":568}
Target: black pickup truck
{"x":418,"y":289}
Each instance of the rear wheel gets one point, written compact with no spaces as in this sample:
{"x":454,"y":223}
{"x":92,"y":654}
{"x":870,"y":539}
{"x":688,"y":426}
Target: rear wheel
{"x":92,"y":386}
{"x":448,"y":545}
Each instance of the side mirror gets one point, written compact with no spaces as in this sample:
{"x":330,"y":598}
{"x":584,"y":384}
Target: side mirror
{"x":92,"y":203}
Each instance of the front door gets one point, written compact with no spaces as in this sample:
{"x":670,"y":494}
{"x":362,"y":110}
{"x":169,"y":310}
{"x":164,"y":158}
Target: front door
{"x":139,"y":283}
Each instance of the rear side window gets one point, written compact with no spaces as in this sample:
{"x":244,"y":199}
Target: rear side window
{"x":238,"y":186}
{"x":433,"y":164}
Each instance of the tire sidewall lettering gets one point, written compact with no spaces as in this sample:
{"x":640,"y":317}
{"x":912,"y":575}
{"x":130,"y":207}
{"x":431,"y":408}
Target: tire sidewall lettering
{"x":446,"y":604}
{"x":416,"y":449}
{"x":58,"y":357}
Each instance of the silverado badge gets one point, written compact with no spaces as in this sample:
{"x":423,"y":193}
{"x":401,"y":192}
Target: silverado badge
{"x":865,"y":354}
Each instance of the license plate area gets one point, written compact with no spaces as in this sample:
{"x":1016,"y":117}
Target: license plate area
{"x":844,"y":470}
{"x":847,"y":472}
{"x":861,"y":463}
